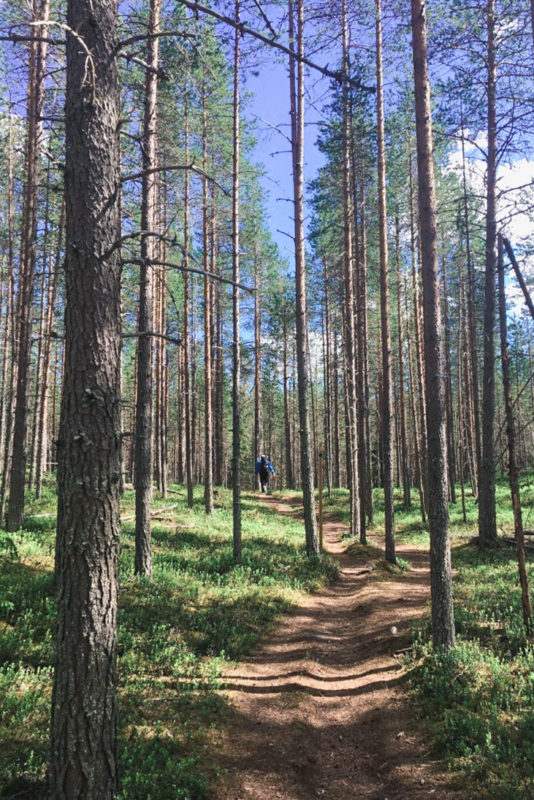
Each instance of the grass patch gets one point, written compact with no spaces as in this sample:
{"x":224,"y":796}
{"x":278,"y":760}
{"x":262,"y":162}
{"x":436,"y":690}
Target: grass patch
{"x":478,"y":699}
{"x":199,"y":610}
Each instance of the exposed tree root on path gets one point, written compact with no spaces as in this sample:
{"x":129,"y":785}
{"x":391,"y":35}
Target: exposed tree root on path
{"x":319,"y":709}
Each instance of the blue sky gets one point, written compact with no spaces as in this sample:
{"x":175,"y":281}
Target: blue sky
{"x":269,"y":108}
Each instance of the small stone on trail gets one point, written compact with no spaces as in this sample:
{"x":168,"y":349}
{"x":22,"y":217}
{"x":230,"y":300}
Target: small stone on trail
{"x":393,"y":630}
{"x":422,"y":781}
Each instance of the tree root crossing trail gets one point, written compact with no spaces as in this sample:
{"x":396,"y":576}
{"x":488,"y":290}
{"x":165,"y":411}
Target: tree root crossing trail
{"x":319,"y":711}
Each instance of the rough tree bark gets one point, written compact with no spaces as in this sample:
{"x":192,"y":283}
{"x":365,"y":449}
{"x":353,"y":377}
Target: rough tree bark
{"x":487,"y":521}
{"x":405,"y":464}
{"x":83,"y":756}
{"x":144,"y":422}
{"x":17,"y":478}
{"x":387,"y":403}
{"x":208,"y":316}
{"x":443,"y":632}
{"x":236,"y":346}
{"x":296,"y":80}
{"x":187,"y":337}
{"x":349,"y":300}
{"x":258,"y":416}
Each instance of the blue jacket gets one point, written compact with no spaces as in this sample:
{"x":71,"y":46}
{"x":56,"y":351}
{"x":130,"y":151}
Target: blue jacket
{"x":267,"y":464}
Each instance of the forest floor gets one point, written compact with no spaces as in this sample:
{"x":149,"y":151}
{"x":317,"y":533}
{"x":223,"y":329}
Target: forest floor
{"x":320,"y":708}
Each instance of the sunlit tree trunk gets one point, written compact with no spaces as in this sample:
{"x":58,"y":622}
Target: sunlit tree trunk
{"x":405,"y":466}
{"x":487,"y":522}
{"x":236,"y":349}
{"x":349,"y":299}
{"x":207,"y":212}
{"x":386,"y":406}
{"x":186,"y":334}
{"x":443,"y":633}
{"x":258,"y":415}
{"x":296,"y":79}
{"x":83,"y":747}
{"x":144,"y":424}
{"x":513,"y":465}
{"x":17,"y":479}
{"x":42,"y":427}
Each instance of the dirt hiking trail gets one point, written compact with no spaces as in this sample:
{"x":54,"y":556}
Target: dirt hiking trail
{"x":316,"y":712}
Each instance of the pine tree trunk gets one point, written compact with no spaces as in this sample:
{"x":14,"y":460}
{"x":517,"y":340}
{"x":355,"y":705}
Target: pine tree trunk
{"x":420,"y":394}
{"x":208,"y":310}
{"x":8,"y":375}
{"x":405,"y":465}
{"x":42,"y":428}
{"x":187,"y":337}
{"x":290,"y":479}
{"x":258,"y":416}
{"x":513,"y":466}
{"x":349,"y":302}
{"x":363,"y":350}
{"x":17,"y":478}
{"x":236,"y":349}
{"x":144,"y":423}
{"x":487,"y":522}
{"x":46,"y":261}
{"x":386,"y":406}
{"x":443,"y":632}
{"x":83,"y":750}
{"x":474,"y":392}
{"x":327,"y":359}
{"x":297,"y":150}
{"x":448,"y":389}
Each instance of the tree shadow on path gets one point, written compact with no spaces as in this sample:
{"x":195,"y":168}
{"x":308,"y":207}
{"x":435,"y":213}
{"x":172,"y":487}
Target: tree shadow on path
{"x":318,"y":710}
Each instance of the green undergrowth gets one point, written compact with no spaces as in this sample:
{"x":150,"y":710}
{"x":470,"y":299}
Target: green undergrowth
{"x":478,"y":700}
{"x":198,"y":611}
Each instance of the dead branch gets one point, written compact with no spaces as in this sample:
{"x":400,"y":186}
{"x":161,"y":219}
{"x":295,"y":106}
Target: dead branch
{"x":135,"y":176}
{"x":338,"y":76}
{"x":181,"y":268}
{"x":172,"y":339}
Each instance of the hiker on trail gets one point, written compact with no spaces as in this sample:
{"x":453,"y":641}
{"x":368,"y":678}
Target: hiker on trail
{"x":264,"y":469}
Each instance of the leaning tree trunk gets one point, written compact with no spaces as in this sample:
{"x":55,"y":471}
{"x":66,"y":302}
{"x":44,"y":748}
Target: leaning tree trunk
{"x":83,"y":728}
{"x":487,"y":521}
{"x":443,"y":633}
{"x":513,"y":461}
{"x":297,"y":151}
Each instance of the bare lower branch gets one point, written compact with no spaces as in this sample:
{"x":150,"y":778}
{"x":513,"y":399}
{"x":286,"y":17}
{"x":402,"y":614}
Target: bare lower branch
{"x":181,"y":268}
{"x":139,"y":335}
{"x":15,"y":38}
{"x":135,"y":176}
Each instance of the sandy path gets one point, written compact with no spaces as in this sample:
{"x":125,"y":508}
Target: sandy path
{"x":316,"y":711}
